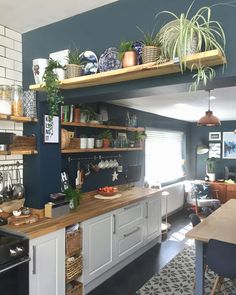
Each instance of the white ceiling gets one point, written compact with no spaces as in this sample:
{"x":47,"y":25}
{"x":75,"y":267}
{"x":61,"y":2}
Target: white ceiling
{"x":26,"y":15}
{"x":186,"y":106}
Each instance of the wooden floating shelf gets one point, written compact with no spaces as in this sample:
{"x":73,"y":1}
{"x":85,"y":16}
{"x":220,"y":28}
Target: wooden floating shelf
{"x":18,"y":119}
{"x":207,"y":58}
{"x":72,"y":151}
{"x":18,"y":152}
{"x":80,"y":124}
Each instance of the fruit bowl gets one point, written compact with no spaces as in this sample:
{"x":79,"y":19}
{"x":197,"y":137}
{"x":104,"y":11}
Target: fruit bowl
{"x":111,"y":191}
{"x":107,"y":194}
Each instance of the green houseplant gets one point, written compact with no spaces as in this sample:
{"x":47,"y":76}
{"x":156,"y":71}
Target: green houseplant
{"x":107,"y":138}
{"x":211,"y":168}
{"x":137,"y":138}
{"x":127,"y":54}
{"x":151,"y":50}
{"x":187,"y":34}
{"x":74,"y":66}
{"x":73,"y":196}
{"x":54,"y":97}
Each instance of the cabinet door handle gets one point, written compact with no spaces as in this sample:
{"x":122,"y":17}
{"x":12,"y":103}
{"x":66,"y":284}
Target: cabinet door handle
{"x":131,"y":206}
{"x":146,"y":210}
{"x":114,"y":224}
{"x":132,"y":232}
{"x":34,"y":260}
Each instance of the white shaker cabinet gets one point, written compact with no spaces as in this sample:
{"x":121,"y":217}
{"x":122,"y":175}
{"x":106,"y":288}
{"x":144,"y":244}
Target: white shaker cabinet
{"x":47,"y":265}
{"x":153,"y":217}
{"x":98,"y":245}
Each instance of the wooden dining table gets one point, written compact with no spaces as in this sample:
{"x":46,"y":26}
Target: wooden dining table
{"x":220,"y":225}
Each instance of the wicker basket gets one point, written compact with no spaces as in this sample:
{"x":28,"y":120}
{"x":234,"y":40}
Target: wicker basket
{"x":77,"y":290}
{"x":150,"y":54}
{"x":73,"y":268}
{"x":73,"y":242}
{"x":74,"y":143}
{"x":73,"y":71}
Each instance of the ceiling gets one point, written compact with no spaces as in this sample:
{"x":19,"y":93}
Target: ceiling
{"x":27,"y":15}
{"x":186,"y":106}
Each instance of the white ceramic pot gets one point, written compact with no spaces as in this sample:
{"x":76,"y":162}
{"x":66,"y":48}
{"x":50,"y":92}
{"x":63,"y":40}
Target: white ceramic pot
{"x":90,"y":143}
{"x":60,"y":73}
{"x":83,"y":143}
{"x":39,"y":66}
{"x":212,"y":176}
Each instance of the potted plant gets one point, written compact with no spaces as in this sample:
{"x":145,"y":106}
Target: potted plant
{"x":99,"y":141}
{"x":137,"y":139}
{"x":54,"y":97}
{"x":74,"y":66}
{"x":127,"y":54}
{"x":211,"y":168}
{"x":107,"y":137}
{"x":73,"y":196}
{"x":151,"y":50}
{"x":187,"y":34}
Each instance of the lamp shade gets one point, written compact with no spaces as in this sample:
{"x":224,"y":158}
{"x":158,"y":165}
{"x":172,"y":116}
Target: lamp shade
{"x":209,"y":120}
{"x":202,"y":149}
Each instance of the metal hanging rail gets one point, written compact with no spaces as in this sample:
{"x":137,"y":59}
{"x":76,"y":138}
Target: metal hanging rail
{"x":94,"y":158}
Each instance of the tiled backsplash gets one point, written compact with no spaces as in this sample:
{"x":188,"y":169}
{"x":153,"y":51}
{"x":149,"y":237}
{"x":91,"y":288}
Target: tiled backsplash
{"x":10,"y":74}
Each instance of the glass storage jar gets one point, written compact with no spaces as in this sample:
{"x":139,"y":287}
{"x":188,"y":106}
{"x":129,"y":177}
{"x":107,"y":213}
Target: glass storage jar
{"x":17,"y":100}
{"x":5,"y":100}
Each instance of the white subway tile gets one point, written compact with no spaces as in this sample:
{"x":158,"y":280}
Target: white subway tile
{"x":13,"y":35}
{"x":18,"y":132}
{"x":7,"y":125}
{"x":7,"y":42}
{"x":2,"y":50}
{"x":18,"y":46}
{"x":14,"y":75}
{"x":2,"y":72}
{"x":14,"y":157}
{"x":19,"y":126}
{"x":13,"y":54}
{"x":2,"y":158}
{"x":2,"y":30}
{"x":6,"y":62}
{"x":4,"y":81}
{"x":18,"y":66}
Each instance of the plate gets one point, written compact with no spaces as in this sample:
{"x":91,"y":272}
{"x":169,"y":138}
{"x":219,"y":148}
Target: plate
{"x":109,"y":60}
{"x":138,"y":46}
{"x":90,"y":62}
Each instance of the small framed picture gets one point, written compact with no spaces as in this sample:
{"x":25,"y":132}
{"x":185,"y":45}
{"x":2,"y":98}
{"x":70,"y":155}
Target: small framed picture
{"x":215,"y":150}
{"x":51,"y":129}
{"x":215,"y":136}
{"x":229,"y":145}
{"x":122,"y":135}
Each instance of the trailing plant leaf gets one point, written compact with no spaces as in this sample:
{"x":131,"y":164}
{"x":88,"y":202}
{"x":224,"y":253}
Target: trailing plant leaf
{"x":203,"y":76}
{"x":54,"y":97}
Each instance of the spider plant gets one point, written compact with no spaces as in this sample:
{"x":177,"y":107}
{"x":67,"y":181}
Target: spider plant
{"x":177,"y":36}
{"x":150,"y":38}
{"x":203,"y":75}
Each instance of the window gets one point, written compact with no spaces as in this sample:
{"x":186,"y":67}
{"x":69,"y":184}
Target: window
{"x":163,"y":155}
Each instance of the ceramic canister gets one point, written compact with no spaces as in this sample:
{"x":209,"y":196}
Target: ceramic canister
{"x":39,"y":66}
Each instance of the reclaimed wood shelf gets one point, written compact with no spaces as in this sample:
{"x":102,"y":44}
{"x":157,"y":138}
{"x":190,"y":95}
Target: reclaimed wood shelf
{"x":207,"y":58}
{"x":17,"y":119}
{"x":18,"y":152}
{"x":92,"y":125}
{"x":22,"y":145}
{"x":99,"y":150}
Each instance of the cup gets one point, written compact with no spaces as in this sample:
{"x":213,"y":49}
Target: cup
{"x":83,"y":142}
{"x":90,"y":144}
{"x":101,"y":164}
{"x":39,"y":66}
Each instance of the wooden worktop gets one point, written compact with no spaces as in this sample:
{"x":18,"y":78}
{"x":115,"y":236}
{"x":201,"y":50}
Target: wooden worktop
{"x":220,"y":225}
{"x":89,"y":207}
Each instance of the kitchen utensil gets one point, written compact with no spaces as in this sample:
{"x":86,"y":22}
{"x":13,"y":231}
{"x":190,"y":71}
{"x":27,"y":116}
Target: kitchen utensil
{"x":94,"y":167}
{"x":88,"y":170}
{"x":18,"y":188}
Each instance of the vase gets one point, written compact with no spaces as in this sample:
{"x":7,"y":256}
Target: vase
{"x":29,"y":104}
{"x":129,"y":59}
{"x":83,"y":142}
{"x":39,"y":66}
{"x":90,"y":144}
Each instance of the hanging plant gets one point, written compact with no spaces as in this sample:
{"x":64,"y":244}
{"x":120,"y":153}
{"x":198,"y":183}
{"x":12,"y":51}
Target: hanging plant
{"x":203,"y":75}
{"x":54,"y":97}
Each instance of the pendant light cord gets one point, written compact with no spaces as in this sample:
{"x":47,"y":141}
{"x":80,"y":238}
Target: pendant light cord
{"x":209,"y":101}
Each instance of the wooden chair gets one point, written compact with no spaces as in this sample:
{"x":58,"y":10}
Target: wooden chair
{"x":221,"y":258}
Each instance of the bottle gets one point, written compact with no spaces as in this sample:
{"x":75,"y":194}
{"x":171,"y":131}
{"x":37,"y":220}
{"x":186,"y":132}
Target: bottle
{"x":127,"y":119}
{"x":5,"y":100}
{"x":17,"y":100}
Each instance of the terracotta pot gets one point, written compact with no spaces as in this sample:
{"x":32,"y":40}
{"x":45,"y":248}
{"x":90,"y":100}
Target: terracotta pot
{"x":106,"y":143}
{"x":77,"y":115}
{"x":65,"y":139}
{"x":129,"y":59}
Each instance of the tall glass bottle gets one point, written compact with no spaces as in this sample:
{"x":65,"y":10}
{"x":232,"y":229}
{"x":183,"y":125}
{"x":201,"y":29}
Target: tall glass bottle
{"x":17,"y":100}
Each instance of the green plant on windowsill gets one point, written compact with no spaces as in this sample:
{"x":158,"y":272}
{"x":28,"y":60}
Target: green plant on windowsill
{"x":191,"y":33}
{"x":54,"y":97}
{"x":74,"y":196}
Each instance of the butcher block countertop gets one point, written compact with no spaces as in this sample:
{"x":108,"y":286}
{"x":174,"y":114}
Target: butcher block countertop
{"x":89,"y":207}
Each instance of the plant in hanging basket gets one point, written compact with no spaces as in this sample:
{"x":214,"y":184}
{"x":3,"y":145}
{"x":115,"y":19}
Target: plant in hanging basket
{"x":54,"y":97}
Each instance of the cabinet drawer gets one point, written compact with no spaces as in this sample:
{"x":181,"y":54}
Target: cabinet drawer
{"x":129,"y":215}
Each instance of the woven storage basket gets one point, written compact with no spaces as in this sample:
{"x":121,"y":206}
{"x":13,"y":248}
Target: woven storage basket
{"x":77,"y":290}
{"x":73,"y":242}
{"x":150,"y":54}
{"x":74,"y":143}
{"x":73,"y":71}
{"x":65,"y":139}
{"x":73,"y":268}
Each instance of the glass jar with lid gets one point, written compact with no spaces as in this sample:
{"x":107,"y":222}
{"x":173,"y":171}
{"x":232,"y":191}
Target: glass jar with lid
{"x":17,"y":100}
{"x":5,"y":100}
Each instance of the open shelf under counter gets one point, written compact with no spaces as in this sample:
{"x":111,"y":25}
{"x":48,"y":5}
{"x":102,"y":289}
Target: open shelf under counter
{"x":73,"y":151}
{"x":17,"y":119}
{"x":92,"y":125}
{"x":207,"y":58}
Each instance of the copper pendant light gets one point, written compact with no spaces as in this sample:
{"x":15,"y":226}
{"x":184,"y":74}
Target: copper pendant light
{"x":209,"y":119}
